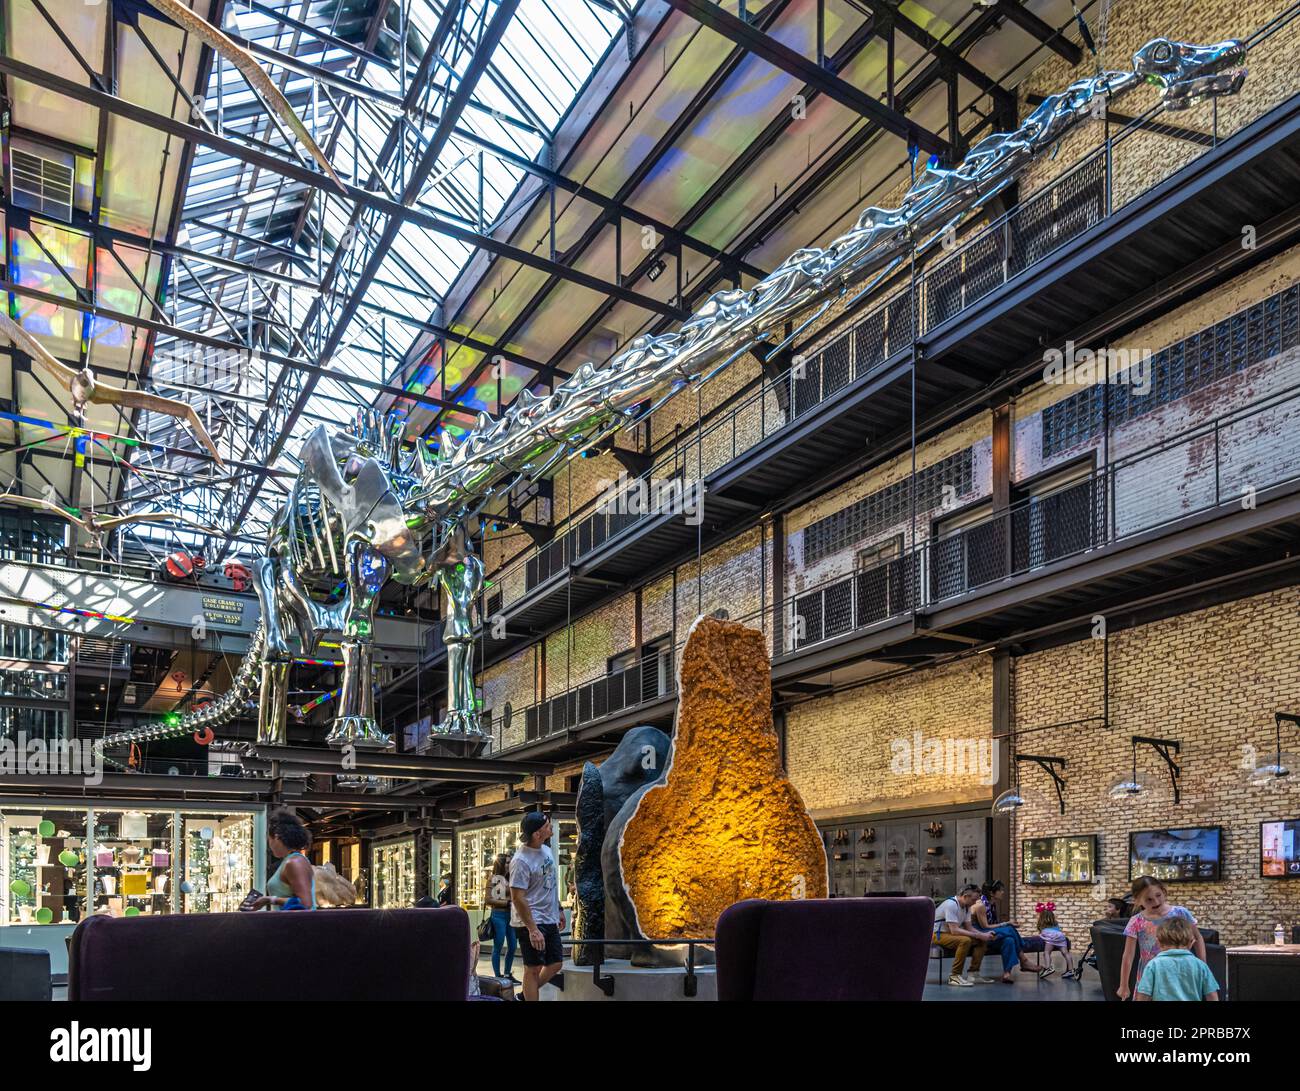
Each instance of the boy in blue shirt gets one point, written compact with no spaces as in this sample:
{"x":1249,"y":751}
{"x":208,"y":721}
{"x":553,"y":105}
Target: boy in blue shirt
{"x":1175,"y":973}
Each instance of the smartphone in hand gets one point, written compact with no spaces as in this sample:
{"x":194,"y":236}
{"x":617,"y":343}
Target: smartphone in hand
{"x":246,"y":905}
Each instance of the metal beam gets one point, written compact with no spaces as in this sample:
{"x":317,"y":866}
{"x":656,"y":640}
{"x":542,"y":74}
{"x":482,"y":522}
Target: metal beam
{"x":680,"y":125}
{"x":291,"y":169}
{"x":796,"y":64}
{"x":1031,"y":24}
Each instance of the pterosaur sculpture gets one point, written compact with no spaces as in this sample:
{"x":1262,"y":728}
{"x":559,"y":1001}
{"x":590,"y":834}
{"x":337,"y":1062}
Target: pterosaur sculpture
{"x":86,"y":390}
{"x":96,"y":525}
{"x":365,"y":509}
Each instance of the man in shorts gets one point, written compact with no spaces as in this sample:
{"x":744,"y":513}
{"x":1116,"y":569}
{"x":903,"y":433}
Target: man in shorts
{"x":535,"y":912}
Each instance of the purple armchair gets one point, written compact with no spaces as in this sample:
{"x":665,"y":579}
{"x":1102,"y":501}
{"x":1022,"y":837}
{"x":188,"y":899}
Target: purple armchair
{"x":334,"y":954}
{"x":824,"y":949}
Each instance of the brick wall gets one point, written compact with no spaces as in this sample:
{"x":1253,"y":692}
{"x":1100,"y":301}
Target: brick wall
{"x":1210,"y":680}
{"x":514,"y":680}
{"x":582,"y":652}
{"x":840,"y":750}
{"x":1145,"y":158}
{"x":975,"y":433}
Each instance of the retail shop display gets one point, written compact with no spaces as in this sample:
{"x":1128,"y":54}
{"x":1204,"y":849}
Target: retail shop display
{"x":42,"y":866}
{"x":1059,"y":860}
{"x":725,"y":823}
{"x":1187,"y":855}
{"x":1279,"y":849}
{"x":392,"y":863}
{"x":361,"y":508}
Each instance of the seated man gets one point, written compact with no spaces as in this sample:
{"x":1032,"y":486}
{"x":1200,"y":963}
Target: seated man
{"x":953,"y":932}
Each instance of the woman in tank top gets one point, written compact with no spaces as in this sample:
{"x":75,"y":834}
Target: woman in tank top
{"x":293,"y":885}
{"x":497,"y":897}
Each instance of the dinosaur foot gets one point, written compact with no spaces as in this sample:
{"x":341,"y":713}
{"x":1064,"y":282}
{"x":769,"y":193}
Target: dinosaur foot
{"x":358,"y":731}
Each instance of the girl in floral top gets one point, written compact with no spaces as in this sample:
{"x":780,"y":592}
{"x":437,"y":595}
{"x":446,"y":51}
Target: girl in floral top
{"x":1151,"y":908}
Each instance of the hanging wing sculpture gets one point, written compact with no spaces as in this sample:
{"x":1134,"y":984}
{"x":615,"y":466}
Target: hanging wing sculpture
{"x":362,"y":509}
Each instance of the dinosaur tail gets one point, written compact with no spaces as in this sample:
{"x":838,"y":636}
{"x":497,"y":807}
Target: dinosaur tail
{"x":220,"y":712}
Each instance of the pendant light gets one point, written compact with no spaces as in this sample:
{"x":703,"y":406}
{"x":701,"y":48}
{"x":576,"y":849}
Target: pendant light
{"x":1133,"y":786}
{"x":1277,"y":767}
{"x":1013,"y":799}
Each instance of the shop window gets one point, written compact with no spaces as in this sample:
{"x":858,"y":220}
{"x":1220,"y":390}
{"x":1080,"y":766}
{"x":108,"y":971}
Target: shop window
{"x":392,"y":868}
{"x":42,"y":866}
{"x":122,"y":863}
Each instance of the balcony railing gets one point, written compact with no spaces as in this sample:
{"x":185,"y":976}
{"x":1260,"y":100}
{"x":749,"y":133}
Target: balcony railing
{"x":1115,"y":171}
{"x":1223,"y":463}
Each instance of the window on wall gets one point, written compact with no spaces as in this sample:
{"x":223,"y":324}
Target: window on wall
{"x":643,"y":677}
{"x":31,"y":538}
{"x":1242,"y":340}
{"x":888,"y":507}
{"x":1059,"y":515}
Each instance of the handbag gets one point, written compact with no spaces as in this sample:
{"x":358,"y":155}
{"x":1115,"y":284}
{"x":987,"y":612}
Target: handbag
{"x":486,"y":932}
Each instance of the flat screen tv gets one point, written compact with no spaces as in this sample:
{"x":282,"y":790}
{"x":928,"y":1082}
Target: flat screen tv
{"x":1189,"y":854}
{"x":1279,"y":849}
{"x":1059,"y":860}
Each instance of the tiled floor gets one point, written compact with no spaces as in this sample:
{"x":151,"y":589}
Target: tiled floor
{"x":1024,"y":986}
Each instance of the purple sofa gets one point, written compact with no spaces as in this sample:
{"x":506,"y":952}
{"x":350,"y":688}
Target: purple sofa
{"x":334,"y":954}
{"x":824,"y":949}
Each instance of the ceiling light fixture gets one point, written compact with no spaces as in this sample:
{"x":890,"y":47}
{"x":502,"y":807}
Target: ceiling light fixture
{"x":1277,"y":767}
{"x":1013,"y":799}
{"x":1134,"y":786}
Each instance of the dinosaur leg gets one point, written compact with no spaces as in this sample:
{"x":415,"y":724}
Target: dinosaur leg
{"x":272,"y":703}
{"x":356,"y":725}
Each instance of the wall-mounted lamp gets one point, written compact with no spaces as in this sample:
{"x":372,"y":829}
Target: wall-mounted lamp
{"x":1277,"y":767}
{"x":1012,"y":799}
{"x":1133,"y":786}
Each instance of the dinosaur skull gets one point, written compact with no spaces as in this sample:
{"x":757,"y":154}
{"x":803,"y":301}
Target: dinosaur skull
{"x":1190,"y":73}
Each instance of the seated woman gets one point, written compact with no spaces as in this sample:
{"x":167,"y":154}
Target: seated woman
{"x":1008,"y":942}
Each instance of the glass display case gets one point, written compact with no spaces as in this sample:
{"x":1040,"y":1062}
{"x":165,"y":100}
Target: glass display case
{"x":132,"y":853}
{"x":42,"y":866}
{"x":930,"y":855}
{"x":218,"y":865}
{"x":439,"y":864}
{"x":1059,"y":860}
{"x":478,"y":849}
{"x":566,"y":848}
{"x":60,"y":862}
{"x":392,"y":866}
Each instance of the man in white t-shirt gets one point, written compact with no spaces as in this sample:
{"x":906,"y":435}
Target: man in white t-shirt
{"x":953,"y":932}
{"x":535,"y":904}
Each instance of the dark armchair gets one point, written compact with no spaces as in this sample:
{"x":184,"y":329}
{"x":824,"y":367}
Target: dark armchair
{"x":824,"y":949}
{"x":333,"y":954}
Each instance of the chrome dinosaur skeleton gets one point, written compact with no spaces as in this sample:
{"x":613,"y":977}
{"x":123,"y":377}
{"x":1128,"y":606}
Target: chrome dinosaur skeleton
{"x":404,"y":516}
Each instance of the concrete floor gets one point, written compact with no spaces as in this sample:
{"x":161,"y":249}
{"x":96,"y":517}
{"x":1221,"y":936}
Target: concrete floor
{"x":1024,"y":986}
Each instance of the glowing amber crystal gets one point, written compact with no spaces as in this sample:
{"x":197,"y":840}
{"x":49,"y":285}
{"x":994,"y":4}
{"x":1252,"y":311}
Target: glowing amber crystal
{"x":725,"y":824}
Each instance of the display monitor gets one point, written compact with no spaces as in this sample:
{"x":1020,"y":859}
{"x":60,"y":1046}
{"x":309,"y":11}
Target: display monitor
{"x":1279,"y":849}
{"x":1189,"y":854}
{"x":1054,"y":860}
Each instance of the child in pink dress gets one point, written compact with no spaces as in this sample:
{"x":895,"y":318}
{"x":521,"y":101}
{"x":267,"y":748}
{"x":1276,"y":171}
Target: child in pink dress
{"x":1049,"y":930}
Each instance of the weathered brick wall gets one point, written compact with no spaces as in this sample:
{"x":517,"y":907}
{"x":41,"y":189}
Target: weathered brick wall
{"x":1253,"y":451}
{"x":581,"y":652}
{"x":1210,"y":680}
{"x":733,"y":580}
{"x":975,"y":433}
{"x":840,"y":752}
{"x":514,"y":680}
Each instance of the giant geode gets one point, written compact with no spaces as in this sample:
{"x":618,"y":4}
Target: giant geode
{"x":725,"y":823}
